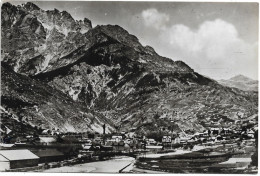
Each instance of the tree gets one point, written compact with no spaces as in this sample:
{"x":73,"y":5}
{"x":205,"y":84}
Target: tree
{"x":185,"y":147}
{"x":256,"y":138}
{"x":209,"y":132}
{"x":254,"y":158}
{"x":191,"y":146}
{"x":239,"y":144}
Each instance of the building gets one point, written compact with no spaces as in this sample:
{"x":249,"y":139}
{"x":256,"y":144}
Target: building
{"x":12,"y":159}
{"x":177,"y":140}
{"x":184,"y":140}
{"x":117,"y":138}
{"x":47,"y":140}
{"x":215,"y":131}
{"x":167,"y":139}
{"x":154,"y":148}
{"x":251,"y":134}
{"x":118,"y":146}
{"x":151,"y":142}
{"x":49,"y":155}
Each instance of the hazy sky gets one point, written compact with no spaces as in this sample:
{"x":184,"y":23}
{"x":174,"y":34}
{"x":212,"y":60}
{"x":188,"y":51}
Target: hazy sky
{"x":219,"y":40}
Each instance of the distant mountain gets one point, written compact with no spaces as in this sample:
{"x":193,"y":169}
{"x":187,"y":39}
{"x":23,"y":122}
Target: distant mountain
{"x":241,"y":82}
{"x":105,"y":75}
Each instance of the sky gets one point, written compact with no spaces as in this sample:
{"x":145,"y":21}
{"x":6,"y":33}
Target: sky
{"x":216,"y":39}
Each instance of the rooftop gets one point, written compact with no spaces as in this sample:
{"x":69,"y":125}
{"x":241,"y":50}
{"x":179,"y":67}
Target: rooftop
{"x":13,"y":155}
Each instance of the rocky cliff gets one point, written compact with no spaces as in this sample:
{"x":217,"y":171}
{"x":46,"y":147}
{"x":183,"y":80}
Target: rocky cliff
{"x":46,"y":107}
{"x":107,"y":72}
{"x":40,"y":37}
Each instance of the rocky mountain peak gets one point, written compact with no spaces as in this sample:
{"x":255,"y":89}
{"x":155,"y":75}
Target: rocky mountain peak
{"x":88,"y":23}
{"x":29,"y":32}
{"x":7,"y":5}
{"x":66,"y":15}
{"x":56,"y":11}
{"x":120,"y":34}
{"x":29,"y":6}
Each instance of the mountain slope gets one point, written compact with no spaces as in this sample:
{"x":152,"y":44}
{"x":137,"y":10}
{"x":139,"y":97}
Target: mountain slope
{"x":141,"y":89}
{"x":241,"y":82}
{"x":45,"y":106}
{"x":109,"y":73}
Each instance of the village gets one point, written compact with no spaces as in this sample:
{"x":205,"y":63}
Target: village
{"x":52,"y":148}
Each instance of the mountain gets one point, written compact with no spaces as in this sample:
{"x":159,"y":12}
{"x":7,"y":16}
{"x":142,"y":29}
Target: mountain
{"x":105,"y":73}
{"x":41,"y":37}
{"x":241,"y":82}
{"x":45,"y":106}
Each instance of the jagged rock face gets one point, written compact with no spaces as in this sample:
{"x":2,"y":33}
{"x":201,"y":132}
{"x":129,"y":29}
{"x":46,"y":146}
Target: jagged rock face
{"x":21,"y":32}
{"x":63,"y":21}
{"x":30,"y":33}
{"x":108,"y":71}
{"x":45,"y":106}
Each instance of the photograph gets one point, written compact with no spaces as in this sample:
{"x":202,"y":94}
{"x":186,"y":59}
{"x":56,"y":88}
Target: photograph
{"x":137,"y":87}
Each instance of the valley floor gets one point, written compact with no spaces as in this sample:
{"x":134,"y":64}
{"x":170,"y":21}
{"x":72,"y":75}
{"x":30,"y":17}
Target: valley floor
{"x":118,"y":164}
{"x":171,"y":162}
{"x":110,"y":166}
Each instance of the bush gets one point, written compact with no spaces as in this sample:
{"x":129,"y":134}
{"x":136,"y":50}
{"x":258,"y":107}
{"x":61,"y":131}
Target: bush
{"x":191,"y":146}
{"x":185,"y":147}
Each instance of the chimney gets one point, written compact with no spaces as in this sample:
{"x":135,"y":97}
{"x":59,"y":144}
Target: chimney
{"x":104,"y":129}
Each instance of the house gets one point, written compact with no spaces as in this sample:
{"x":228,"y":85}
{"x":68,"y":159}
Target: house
{"x":47,"y":140}
{"x":213,"y":139}
{"x":97,"y":141}
{"x":251,"y":133}
{"x":117,"y":138}
{"x":12,"y":159}
{"x":166,"y":139}
{"x":151,"y":142}
{"x":198,"y":135}
{"x":215,"y":131}
{"x":225,"y":131}
{"x":86,"y":147}
{"x":205,"y":134}
{"x":184,"y":140}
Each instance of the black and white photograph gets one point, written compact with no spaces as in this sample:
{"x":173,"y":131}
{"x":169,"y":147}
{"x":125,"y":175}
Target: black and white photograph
{"x":139,"y":87}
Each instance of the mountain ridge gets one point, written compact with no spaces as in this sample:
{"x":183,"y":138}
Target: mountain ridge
{"x":241,"y":82}
{"x":108,"y":72}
